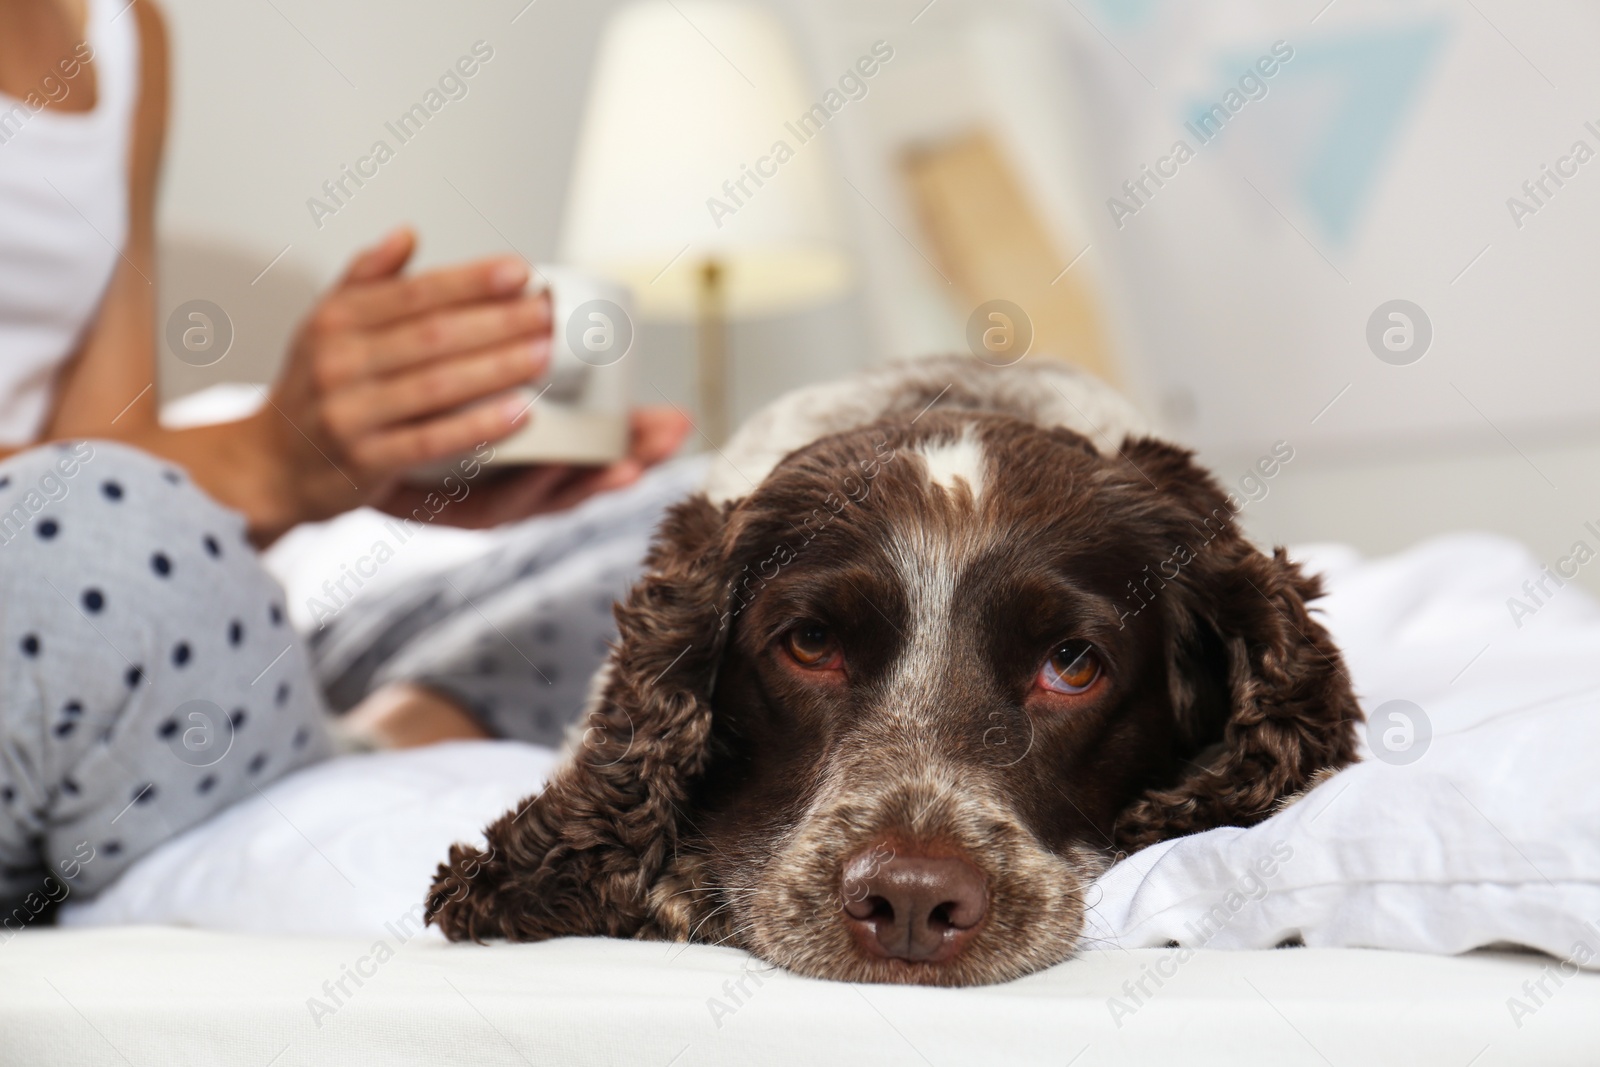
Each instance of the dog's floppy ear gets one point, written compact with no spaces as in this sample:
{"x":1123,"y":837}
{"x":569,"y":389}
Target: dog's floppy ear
{"x":580,"y":857}
{"x":1251,"y":673}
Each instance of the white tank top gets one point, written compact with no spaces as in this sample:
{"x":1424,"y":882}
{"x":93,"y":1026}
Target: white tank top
{"x":63,"y":220}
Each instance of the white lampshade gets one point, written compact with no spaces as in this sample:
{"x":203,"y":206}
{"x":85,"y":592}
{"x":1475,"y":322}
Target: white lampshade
{"x":686,"y":96}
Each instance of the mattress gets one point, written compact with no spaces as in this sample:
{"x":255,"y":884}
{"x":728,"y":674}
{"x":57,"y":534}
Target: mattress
{"x":174,"y":996}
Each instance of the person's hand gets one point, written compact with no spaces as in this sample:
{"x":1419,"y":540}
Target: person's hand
{"x":389,"y":373}
{"x":497,"y":496}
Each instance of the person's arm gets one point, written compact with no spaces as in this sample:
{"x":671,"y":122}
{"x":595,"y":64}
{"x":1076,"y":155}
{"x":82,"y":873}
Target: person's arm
{"x":109,"y":389}
{"x":386,"y":374}
{"x":110,"y":381}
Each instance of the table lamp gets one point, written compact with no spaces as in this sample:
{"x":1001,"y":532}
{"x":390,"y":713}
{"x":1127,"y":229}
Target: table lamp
{"x":694,"y":181}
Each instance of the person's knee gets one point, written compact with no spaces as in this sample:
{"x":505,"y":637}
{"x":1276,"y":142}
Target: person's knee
{"x":135,"y":547}
{"x":32,"y":481}
{"x":108,"y":490}
{"x":43,"y":479}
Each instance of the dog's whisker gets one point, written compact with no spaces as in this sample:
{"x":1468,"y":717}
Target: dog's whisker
{"x":695,"y":931}
{"x":716,"y":889}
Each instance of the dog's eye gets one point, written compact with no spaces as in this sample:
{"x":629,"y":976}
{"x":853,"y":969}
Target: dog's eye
{"x":812,"y":645}
{"x":1072,"y":668}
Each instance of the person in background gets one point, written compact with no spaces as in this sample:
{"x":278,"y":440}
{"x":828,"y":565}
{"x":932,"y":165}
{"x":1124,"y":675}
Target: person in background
{"x":148,"y":676}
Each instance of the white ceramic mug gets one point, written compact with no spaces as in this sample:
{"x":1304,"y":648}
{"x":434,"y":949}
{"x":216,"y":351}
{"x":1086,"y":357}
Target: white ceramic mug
{"x":579,"y":408}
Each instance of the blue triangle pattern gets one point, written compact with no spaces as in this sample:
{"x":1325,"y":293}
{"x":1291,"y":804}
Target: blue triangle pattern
{"x":1382,"y":73}
{"x":1375,"y":77}
{"x":1128,"y":14}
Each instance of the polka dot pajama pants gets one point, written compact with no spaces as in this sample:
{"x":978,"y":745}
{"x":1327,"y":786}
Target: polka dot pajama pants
{"x":148,"y":673}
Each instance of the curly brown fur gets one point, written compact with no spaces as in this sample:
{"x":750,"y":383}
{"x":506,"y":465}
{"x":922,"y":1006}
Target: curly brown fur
{"x":1289,"y":712}
{"x":580,"y":857}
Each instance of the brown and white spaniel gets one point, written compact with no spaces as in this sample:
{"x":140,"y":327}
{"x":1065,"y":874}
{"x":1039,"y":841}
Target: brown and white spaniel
{"x":935,"y":645}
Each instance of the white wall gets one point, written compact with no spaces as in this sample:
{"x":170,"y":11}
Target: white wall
{"x":1250,"y":305}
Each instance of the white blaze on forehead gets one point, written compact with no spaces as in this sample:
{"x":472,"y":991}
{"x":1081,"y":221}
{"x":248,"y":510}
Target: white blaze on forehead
{"x":930,"y":563}
{"x":955,"y":459}
{"x":930,"y":560}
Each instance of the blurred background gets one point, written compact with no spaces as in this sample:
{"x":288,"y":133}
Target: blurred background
{"x":1337,"y":157}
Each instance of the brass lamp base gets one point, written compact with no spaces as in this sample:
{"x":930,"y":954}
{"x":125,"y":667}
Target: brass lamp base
{"x":712,"y":354}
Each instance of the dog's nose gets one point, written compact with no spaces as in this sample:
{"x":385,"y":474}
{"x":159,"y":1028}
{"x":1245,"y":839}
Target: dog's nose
{"x":913,"y":907}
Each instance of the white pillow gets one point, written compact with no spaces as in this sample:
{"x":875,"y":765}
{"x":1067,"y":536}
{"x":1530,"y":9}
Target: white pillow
{"x":1484,"y":832}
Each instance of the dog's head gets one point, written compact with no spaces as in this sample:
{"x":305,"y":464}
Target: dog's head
{"x":886,"y":717}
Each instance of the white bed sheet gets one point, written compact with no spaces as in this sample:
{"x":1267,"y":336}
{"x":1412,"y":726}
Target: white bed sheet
{"x":177,"y":997}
